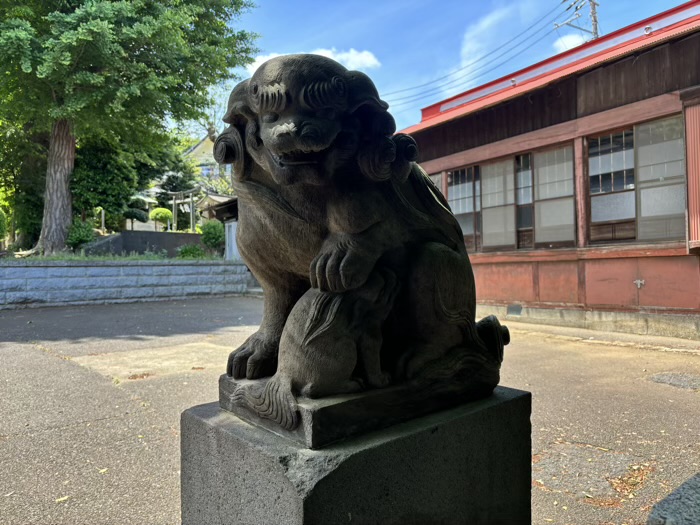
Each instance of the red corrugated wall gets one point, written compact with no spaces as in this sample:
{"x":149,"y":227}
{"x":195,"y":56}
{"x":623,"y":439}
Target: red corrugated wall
{"x":692,"y":131}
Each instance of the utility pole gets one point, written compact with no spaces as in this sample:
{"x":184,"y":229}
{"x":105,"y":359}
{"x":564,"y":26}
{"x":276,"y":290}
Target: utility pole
{"x":594,"y":17}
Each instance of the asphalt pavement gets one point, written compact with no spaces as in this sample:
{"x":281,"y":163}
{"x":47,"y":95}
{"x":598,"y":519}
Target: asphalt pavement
{"x":90,"y":399}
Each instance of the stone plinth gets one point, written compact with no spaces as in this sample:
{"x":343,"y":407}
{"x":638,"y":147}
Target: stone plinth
{"x":681,"y":507}
{"x":466,"y":465}
{"x":334,"y":418}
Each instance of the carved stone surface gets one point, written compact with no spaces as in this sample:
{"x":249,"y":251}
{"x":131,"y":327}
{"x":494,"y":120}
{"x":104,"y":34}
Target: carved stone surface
{"x":469,"y":465}
{"x":366,"y":279}
{"x":681,"y":507}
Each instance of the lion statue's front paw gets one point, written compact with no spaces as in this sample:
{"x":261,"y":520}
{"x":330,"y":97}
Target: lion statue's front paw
{"x":340,"y":269}
{"x":255,"y":358}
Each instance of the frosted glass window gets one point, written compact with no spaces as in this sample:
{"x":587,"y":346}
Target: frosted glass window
{"x":498,"y":226}
{"x":463,"y":195}
{"x":612,"y":207}
{"x":662,"y":201}
{"x":661,"y":179}
{"x":555,"y":220}
{"x":554,"y":173}
{"x":466,"y":222}
{"x":497,"y":183}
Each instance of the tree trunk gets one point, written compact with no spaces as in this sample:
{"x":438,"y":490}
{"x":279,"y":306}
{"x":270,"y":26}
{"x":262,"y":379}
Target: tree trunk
{"x":57,"y":198}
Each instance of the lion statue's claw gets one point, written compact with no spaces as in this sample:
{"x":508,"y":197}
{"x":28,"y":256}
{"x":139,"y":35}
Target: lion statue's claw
{"x":255,"y":358}
{"x":339,"y":270}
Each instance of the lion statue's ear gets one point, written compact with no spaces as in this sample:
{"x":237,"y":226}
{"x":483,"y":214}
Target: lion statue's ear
{"x":229,"y":147}
{"x":382,"y":155}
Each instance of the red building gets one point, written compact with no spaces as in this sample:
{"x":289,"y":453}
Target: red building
{"x":577,"y":180}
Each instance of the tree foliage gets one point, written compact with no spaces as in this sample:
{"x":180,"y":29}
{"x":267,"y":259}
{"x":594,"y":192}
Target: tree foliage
{"x":135,"y":214}
{"x":22,"y":179}
{"x":181,"y":178}
{"x":214,"y":236}
{"x":80,"y":233}
{"x":105,"y":70}
{"x":161,"y":215}
{"x":104,"y":176}
{"x":3,"y":225}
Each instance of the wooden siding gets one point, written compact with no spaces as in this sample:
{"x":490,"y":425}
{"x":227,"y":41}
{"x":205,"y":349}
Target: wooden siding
{"x":666,"y":68}
{"x":540,"y":109}
{"x":649,"y":109}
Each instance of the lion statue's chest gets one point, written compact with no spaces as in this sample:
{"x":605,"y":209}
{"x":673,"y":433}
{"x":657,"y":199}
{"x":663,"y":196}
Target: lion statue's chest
{"x":285,"y":233}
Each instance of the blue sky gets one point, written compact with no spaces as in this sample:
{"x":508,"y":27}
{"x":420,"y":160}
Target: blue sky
{"x":405,"y":43}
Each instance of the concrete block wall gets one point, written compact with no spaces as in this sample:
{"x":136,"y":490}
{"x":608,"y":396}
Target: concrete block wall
{"x":29,"y":284}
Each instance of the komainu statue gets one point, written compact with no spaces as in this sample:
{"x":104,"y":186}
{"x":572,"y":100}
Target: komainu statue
{"x":366,"y":278}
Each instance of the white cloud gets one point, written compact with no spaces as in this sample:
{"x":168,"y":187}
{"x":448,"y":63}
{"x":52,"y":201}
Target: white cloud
{"x":479,"y":37}
{"x":351,"y":59}
{"x":566,"y":42}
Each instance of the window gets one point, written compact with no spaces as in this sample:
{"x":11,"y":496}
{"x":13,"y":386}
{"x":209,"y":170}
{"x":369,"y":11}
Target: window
{"x":555,"y":211}
{"x":611,"y":173}
{"x":498,"y":204}
{"x":637,"y":181}
{"x":661,"y":180}
{"x":464,"y":198}
{"x":523,"y":200}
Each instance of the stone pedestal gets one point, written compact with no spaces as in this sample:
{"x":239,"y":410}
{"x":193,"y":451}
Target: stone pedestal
{"x":466,"y":465}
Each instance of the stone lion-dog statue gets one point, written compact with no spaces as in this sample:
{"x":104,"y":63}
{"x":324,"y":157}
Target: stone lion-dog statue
{"x":364,"y":270}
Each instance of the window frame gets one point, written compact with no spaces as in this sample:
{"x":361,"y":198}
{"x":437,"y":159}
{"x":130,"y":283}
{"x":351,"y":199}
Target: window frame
{"x":629,"y":228}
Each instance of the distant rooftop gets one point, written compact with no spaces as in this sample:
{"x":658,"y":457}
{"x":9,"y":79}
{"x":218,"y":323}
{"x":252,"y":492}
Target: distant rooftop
{"x":644,"y":34}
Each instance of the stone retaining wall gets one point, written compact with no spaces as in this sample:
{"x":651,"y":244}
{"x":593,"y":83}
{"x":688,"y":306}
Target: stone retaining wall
{"x":30,"y":284}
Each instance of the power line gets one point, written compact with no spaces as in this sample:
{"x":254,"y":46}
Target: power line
{"x":592,"y":4}
{"x":483,"y":57}
{"x":401,"y":101}
{"x":484,"y":73}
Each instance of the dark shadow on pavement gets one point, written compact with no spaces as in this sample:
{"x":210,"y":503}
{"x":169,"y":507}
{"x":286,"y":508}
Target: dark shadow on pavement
{"x":129,"y":321}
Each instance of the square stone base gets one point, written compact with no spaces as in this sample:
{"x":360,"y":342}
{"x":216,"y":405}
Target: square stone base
{"x":466,"y":465}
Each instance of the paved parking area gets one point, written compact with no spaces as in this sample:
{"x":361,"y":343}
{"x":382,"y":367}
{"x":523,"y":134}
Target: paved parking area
{"x":91,"y":397}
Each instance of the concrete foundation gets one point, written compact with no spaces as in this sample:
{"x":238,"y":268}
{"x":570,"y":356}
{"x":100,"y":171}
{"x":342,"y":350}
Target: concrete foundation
{"x":686,"y":326}
{"x":467,"y":465}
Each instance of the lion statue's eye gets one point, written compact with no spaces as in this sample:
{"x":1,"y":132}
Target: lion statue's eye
{"x":269,"y":118}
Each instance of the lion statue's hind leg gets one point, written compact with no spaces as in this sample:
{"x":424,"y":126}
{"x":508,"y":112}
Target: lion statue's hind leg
{"x":445,"y":342}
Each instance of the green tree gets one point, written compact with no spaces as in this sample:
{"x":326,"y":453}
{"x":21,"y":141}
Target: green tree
{"x":22,"y":179}
{"x":104,"y":176}
{"x":135,"y":214}
{"x":161,"y":215}
{"x":214,"y":236}
{"x":79,"y":233}
{"x":179,"y":180}
{"x":101,"y":68}
{"x":3,"y":225}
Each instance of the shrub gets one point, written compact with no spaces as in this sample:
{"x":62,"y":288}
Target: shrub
{"x":135,"y":214}
{"x":191,"y":251}
{"x":80,"y":233}
{"x":161,"y":215}
{"x":214,"y":236}
{"x":138,"y":203}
